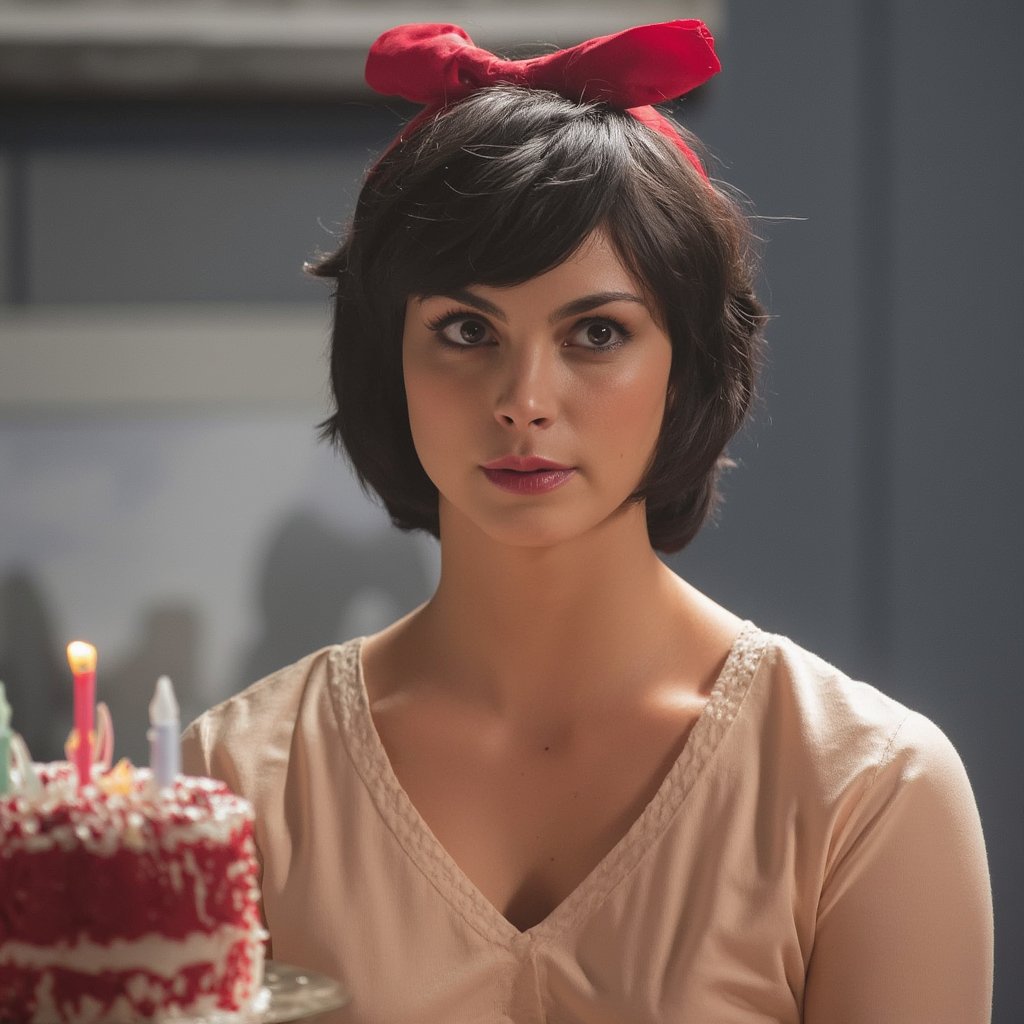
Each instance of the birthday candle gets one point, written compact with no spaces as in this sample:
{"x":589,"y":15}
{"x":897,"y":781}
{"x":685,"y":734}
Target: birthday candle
{"x":31,"y":784}
{"x":164,"y":741}
{"x":5,"y":742}
{"x":82,"y":659}
{"x":103,"y":751}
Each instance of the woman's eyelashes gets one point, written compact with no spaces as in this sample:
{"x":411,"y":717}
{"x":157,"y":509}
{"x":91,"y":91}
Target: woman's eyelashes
{"x":459,"y":328}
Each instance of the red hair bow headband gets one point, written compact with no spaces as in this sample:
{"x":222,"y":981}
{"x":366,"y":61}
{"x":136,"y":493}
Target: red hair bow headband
{"x":438,"y":64}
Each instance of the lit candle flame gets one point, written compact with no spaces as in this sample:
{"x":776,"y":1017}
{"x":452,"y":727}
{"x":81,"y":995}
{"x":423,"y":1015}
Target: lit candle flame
{"x":81,"y":657}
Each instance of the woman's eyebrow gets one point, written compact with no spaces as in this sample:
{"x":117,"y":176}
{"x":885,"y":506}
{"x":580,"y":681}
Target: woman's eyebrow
{"x":467,"y":298}
{"x":589,"y":302}
{"x":581,"y":305}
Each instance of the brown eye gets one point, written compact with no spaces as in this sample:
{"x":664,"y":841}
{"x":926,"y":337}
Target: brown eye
{"x":601,"y":335}
{"x":459,"y":330}
{"x":470,"y":332}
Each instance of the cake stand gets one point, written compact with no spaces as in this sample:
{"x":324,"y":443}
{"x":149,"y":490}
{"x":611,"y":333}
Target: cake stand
{"x":288,"y":994}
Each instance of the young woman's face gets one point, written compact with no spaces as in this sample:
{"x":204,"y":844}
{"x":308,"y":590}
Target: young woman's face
{"x":570,"y":367}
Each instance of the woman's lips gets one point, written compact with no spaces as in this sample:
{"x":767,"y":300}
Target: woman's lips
{"x":524,"y":463}
{"x":536,"y":481}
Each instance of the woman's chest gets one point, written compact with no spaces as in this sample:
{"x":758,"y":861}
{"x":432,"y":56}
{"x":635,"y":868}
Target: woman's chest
{"x":683,"y":922}
{"x":527,"y":817}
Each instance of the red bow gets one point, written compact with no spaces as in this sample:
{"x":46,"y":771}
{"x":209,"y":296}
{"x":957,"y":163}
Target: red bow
{"x":438,"y":64}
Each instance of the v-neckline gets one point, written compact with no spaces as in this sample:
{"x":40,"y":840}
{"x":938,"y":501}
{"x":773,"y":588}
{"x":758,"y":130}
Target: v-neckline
{"x":425,"y":850}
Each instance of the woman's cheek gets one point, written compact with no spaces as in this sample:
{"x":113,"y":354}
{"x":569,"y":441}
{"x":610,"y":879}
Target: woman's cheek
{"x":630,"y":408}
{"x":437,"y":420}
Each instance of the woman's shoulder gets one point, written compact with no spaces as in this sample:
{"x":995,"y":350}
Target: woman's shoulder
{"x":261,"y":718}
{"x":273,"y":694}
{"x":882,"y":804}
{"x":845,"y":729}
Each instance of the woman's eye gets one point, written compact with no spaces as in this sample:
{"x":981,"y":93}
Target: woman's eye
{"x":464,"y":332}
{"x":601,"y":334}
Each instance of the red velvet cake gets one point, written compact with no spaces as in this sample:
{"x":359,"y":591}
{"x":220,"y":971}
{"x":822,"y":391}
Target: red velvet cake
{"x":121,"y":904}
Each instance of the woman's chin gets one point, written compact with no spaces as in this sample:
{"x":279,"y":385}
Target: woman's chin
{"x":538,"y":527}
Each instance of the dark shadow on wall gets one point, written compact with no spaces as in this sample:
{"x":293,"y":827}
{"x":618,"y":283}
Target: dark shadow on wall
{"x":320,"y":585}
{"x":32,"y":667}
{"x":167,"y":646}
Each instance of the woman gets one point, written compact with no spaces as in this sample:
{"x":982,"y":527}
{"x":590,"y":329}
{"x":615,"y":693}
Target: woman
{"x":569,"y":787}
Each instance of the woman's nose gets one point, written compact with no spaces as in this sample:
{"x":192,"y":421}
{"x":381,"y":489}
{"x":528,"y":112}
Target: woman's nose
{"x":527,"y":393}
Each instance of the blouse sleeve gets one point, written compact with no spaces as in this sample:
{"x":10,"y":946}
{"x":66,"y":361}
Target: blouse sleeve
{"x":202,"y":754}
{"x":194,"y":756}
{"x":904,"y":927}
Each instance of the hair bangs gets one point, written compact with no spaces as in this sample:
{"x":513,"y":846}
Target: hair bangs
{"x":513,"y":195}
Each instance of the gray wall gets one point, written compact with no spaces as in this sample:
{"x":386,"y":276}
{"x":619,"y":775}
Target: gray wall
{"x":876,"y":516}
{"x":873,"y":516}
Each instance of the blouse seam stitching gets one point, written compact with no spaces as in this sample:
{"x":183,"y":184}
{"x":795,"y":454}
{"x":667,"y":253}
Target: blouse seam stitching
{"x":879,"y":764}
{"x":389,"y":807}
{"x":739,"y":684}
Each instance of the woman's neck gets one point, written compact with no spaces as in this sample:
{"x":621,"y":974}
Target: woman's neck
{"x":524,"y":631}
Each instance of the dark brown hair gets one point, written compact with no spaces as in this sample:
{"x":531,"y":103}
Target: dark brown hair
{"x":499,"y":188}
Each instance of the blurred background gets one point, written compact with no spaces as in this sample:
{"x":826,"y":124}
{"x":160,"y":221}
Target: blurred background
{"x":166,"y":168}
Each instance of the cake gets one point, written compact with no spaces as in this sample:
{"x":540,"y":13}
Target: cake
{"x":121,"y":903}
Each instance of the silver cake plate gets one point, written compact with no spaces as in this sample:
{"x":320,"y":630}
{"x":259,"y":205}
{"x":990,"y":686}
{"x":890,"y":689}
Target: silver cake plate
{"x":288,"y":994}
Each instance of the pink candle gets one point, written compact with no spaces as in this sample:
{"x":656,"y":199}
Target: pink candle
{"x":82,"y":659}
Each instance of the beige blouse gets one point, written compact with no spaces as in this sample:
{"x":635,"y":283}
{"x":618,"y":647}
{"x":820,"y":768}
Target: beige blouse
{"x":815,"y":854}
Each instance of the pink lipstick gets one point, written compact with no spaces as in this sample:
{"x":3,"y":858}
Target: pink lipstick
{"x":527,"y":474}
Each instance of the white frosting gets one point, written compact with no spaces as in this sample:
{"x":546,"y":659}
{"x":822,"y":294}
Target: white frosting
{"x":152,"y":954}
{"x":156,"y":953}
{"x":121,"y":1012}
{"x":188,"y":861}
{"x":103,"y":824}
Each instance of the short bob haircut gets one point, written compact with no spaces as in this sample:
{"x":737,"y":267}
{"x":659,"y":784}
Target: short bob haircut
{"x":499,"y":188}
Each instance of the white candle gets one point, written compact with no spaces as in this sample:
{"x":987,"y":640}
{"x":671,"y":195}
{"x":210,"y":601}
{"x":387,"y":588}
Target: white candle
{"x":164,"y":736}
